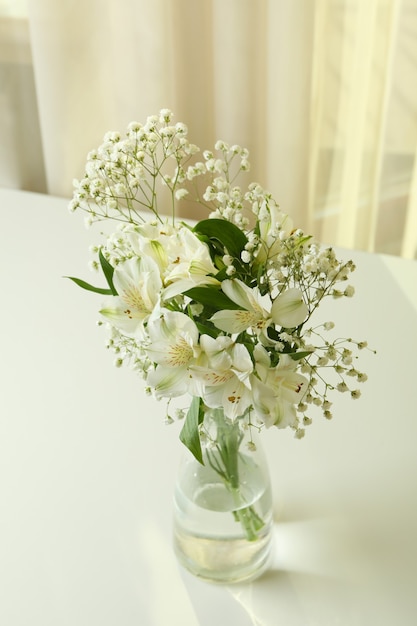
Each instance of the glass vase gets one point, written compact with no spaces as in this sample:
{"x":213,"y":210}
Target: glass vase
{"x":223,"y":509}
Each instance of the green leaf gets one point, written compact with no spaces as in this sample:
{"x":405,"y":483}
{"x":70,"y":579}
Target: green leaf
{"x":211,"y":297}
{"x":203,"y":329}
{"x":108,"y":271}
{"x":88,"y":287}
{"x":296,"y":356}
{"x":221,"y":275}
{"x":189,"y":434}
{"x":229,"y":235}
{"x":303,"y":240}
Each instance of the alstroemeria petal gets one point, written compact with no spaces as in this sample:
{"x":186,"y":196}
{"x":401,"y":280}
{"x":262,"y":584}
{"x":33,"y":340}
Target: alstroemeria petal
{"x":238,"y":292}
{"x":138,"y":283}
{"x":289,"y":309}
{"x":210,"y":377}
{"x":241,"y":294}
{"x":233,"y":397}
{"x":234,"y":321}
{"x":271,"y":407}
{"x":242,"y":363}
{"x":116,"y":312}
{"x":173,"y":339}
{"x":168,"y":381}
{"x":167,"y":325}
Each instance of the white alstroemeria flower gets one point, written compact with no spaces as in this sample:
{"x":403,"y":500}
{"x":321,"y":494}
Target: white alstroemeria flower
{"x":183,"y":259}
{"x":288,"y":309}
{"x":153,"y":240}
{"x":253,"y":313}
{"x":173,"y":346}
{"x":276,"y":390}
{"x":138,"y":284}
{"x":223,"y":371}
{"x":189,"y":265}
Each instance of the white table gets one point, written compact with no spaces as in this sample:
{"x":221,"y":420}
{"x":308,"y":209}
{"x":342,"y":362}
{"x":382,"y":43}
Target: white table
{"x":88,"y":466}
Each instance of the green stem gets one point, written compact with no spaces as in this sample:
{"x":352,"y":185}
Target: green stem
{"x":251,"y":522}
{"x":224,"y":460}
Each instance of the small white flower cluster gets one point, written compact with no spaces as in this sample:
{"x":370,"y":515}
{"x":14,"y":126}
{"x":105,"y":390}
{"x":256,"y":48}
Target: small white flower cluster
{"x":122,"y":176}
{"x":332,"y":357}
{"x":219,"y":310}
{"x":224,"y":199}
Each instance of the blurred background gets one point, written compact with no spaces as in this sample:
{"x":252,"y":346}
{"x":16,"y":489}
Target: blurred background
{"x":322,"y":92}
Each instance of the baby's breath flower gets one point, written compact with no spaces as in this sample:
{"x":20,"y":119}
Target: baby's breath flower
{"x":221,"y":145}
{"x":165,"y":115}
{"x":284,"y":336}
{"x":221,"y":197}
{"x":279,"y":346}
{"x":181,"y":193}
{"x":352,"y":372}
{"x":73,"y":205}
{"x":361,"y":377}
{"x":331,"y":353}
{"x":209,"y":194}
{"x":342,"y":387}
{"x":299,"y":433}
{"x":181,"y":129}
{"x":245,"y":256}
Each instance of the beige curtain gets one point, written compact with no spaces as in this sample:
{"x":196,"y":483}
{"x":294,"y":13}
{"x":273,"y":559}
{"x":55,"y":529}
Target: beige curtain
{"x":362,"y":172}
{"x":322,"y":92}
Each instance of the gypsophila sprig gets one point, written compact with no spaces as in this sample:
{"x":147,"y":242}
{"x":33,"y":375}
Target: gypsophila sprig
{"x":221,"y":309}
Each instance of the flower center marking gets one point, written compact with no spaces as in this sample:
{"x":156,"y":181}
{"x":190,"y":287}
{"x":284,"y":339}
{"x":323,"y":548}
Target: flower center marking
{"x":217,"y":379}
{"x":179,"y":353}
{"x":134,"y":298}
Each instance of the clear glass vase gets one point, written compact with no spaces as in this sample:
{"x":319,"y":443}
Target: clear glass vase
{"x":223,"y":509}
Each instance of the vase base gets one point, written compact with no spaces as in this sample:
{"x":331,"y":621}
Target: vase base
{"x":223,"y":560}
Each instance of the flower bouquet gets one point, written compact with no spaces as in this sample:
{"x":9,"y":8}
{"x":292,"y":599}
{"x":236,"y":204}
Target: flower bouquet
{"x":219,"y":310}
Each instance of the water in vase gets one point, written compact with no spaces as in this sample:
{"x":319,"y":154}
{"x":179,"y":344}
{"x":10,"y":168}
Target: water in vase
{"x":213,"y":526}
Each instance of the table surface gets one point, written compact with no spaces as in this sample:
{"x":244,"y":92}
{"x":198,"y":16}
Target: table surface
{"x":88,"y":465}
